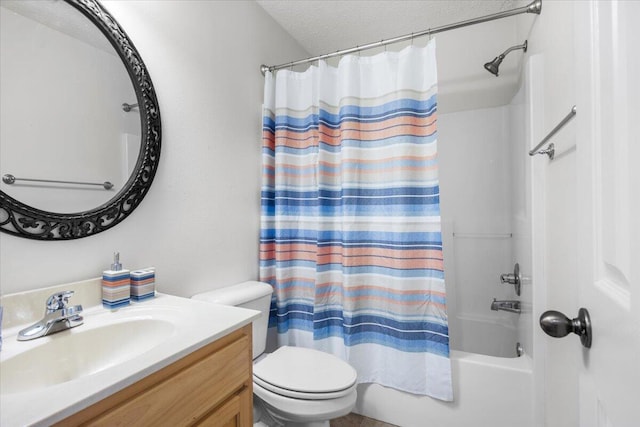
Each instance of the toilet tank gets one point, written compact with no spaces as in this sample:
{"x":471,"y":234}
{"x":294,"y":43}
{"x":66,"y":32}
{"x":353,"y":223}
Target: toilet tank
{"x":253,"y":295}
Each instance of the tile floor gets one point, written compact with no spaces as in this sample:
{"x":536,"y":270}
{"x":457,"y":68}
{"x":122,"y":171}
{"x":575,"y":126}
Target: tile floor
{"x":355,"y":420}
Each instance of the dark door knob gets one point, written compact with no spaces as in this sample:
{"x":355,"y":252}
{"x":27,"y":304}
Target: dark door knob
{"x":557,"y":325}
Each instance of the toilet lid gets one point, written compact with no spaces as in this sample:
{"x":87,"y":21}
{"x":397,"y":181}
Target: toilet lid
{"x":302,"y":370}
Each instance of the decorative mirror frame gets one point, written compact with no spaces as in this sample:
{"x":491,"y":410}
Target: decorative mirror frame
{"x":21,"y":220}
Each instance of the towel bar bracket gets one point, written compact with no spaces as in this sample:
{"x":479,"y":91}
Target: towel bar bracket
{"x":549,"y":151}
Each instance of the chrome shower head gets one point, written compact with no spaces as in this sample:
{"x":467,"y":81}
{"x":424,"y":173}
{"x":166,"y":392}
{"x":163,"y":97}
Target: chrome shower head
{"x":492,"y":66}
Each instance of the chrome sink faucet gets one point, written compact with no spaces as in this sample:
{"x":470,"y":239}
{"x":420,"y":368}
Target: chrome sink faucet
{"x":58,"y":316}
{"x":506,"y":305}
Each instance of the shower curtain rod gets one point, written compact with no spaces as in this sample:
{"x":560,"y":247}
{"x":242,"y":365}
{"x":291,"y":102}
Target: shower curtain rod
{"x":533,"y":7}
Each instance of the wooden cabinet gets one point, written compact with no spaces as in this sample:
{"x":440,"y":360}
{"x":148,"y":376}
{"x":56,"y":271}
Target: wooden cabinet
{"x":210,"y":387}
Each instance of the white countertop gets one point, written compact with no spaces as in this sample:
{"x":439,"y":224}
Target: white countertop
{"x":196,"y":325}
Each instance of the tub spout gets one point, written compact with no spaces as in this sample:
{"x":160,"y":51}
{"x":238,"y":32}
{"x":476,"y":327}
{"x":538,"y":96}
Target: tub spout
{"x":506,"y":305}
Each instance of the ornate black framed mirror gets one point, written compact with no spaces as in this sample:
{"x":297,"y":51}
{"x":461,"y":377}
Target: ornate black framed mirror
{"x":35,"y":218}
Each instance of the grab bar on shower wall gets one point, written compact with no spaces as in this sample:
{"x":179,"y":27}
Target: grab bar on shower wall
{"x":458,"y":235}
{"x":550,"y":150}
{"x":10,"y":179}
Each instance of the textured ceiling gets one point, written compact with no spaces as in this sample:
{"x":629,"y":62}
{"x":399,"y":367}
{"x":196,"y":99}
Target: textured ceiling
{"x":324,"y":26}
{"x":61,"y":17}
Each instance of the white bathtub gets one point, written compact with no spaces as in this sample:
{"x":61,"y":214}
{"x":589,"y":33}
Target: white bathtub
{"x":488,"y":391}
{"x":491,"y":335}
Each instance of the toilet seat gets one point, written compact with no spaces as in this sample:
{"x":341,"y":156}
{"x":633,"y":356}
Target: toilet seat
{"x":303,"y":373}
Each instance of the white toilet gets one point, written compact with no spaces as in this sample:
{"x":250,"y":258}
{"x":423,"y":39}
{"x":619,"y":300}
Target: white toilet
{"x":293,"y":386}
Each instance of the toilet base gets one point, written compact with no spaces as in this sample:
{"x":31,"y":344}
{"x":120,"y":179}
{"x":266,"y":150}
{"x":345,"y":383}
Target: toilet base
{"x":262,"y":418}
{"x":314,"y":424}
{"x":311,"y":424}
{"x":306,"y":414}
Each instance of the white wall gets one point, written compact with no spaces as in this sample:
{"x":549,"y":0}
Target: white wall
{"x":521,"y":214}
{"x":199,"y":222}
{"x":552,"y":93}
{"x":474,"y":158}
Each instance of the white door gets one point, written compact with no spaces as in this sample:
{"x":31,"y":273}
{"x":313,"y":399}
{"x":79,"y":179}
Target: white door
{"x":608,"y":161}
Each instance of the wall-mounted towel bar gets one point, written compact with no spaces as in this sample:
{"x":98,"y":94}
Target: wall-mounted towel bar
{"x":482,"y":235}
{"x":10,"y":179}
{"x":550,"y":150}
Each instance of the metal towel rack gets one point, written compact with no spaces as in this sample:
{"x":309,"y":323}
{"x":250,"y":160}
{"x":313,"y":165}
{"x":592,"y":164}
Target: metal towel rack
{"x":10,"y":179}
{"x":482,"y":235}
{"x":550,"y":150}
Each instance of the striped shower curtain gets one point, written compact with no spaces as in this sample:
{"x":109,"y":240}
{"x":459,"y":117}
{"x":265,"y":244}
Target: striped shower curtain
{"x":350,"y":232}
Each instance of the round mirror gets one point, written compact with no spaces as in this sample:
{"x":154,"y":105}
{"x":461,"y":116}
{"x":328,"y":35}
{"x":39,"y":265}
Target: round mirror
{"x":79,"y":122}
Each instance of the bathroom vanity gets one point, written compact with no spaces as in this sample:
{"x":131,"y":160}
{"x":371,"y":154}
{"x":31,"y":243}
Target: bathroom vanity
{"x":165,"y":361}
{"x":210,"y":386}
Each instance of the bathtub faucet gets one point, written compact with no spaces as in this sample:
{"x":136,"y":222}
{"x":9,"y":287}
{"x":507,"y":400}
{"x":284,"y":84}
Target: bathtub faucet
{"x":506,"y":305}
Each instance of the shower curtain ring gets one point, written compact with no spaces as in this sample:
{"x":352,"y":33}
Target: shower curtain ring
{"x":411,"y":39}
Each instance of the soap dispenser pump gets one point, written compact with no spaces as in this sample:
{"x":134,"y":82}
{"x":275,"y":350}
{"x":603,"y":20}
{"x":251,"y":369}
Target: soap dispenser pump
{"x":116,"y":285}
{"x":116,"y":266}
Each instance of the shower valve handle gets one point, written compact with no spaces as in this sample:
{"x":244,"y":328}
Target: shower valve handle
{"x":509,"y":278}
{"x":512,"y":278}
{"x":557,"y":325}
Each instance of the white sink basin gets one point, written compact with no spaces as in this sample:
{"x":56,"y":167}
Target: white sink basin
{"x":79,"y":352}
{"x":73,"y":369}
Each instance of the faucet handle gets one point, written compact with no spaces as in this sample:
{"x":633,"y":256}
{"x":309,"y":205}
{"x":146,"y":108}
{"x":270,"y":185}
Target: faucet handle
{"x":58,"y":301}
{"x":512,"y":278}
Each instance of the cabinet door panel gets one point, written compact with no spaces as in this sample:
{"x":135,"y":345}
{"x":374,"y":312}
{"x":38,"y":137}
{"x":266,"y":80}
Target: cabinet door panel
{"x":227,"y":415}
{"x":187,"y":396}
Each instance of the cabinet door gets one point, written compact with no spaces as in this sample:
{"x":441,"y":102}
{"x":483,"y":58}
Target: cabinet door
{"x":235,"y":412}
{"x":188,"y":395}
